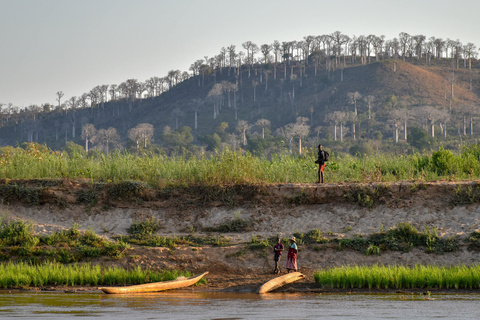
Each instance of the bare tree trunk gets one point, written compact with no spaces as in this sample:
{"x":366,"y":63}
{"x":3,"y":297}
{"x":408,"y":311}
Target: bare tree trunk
{"x":471,"y":125}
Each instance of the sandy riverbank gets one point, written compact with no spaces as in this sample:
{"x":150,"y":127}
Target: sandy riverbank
{"x":271,"y":210}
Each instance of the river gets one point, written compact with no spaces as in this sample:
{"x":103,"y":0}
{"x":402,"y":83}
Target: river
{"x":219,"y":305}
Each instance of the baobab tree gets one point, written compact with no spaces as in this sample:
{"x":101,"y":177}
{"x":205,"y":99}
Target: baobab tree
{"x":263,"y":123}
{"x":467,"y":111}
{"x":142,"y":132}
{"x":337,"y":118}
{"x":404,"y":39}
{"x":352,"y":98}
{"x":469,"y":51}
{"x":369,"y":100}
{"x":395,"y":119}
{"x":107,"y":137}
{"x":243,"y":127}
{"x":431,"y":115}
{"x":444,"y":119}
{"x":276,"y":47}
{"x":215,"y":95}
{"x":265,"y":49}
{"x":88,"y":134}
{"x":300,"y":129}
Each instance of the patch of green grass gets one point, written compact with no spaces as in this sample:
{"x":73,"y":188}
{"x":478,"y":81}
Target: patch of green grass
{"x":400,"y":277}
{"x":16,"y":275}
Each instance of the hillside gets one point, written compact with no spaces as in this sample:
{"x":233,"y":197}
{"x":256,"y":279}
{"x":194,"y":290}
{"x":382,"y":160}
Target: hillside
{"x":258,"y":95}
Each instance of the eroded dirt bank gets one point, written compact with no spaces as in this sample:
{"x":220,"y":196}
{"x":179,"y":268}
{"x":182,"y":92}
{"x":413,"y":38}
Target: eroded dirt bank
{"x":342,"y":210}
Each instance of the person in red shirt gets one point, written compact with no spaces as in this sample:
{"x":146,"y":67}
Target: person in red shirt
{"x":292,"y":256}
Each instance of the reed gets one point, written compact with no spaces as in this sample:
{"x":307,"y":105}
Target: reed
{"x":400,"y":277}
{"x":15,"y":275}
{"x":227,"y":167}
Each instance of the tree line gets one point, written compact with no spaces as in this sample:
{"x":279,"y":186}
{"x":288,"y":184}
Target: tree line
{"x":329,"y":52}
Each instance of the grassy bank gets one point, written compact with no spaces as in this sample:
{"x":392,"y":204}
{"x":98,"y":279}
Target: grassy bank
{"x":16,"y":275}
{"x":37,"y":162}
{"x":400,"y":277}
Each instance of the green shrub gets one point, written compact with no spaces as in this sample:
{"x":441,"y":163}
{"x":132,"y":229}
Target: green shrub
{"x":373,"y":250}
{"x":92,"y":252}
{"x":117,"y":249}
{"x":126,"y":190}
{"x":17,"y":233}
{"x":90,"y":238}
{"x":12,"y":192}
{"x":88,"y":197}
{"x":468,"y":195}
{"x":68,"y":237}
{"x":314,"y":236}
{"x":443,"y":161}
{"x":146,"y":227}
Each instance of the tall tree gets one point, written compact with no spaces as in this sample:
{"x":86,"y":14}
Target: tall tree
{"x":60,"y":94}
{"x":88,"y":134}
{"x":300,"y":129}
{"x":337,"y":118}
{"x":263,"y":123}
{"x":276,"y":47}
{"x":265,"y":49}
{"x":352,"y":98}
{"x":404,"y":39}
{"x":106,"y":138}
{"x":243,"y":127}
{"x":142,"y":132}
{"x":369,"y":100}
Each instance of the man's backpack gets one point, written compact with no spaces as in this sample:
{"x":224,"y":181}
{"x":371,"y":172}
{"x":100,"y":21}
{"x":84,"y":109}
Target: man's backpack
{"x":326,"y":155}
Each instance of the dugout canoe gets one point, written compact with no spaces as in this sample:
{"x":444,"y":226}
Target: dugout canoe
{"x":278,"y":282}
{"x":156,"y":286}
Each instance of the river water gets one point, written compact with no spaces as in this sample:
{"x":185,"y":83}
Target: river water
{"x":216,"y":305}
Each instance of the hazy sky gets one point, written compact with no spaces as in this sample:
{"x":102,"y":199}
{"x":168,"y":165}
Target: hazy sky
{"x":74,"y":45}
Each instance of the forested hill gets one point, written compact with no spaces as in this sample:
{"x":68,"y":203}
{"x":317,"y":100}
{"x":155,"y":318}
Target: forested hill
{"x":320,"y":99}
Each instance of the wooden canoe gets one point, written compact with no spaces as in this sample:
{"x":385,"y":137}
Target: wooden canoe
{"x":278,"y":282}
{"x":156,"y":286}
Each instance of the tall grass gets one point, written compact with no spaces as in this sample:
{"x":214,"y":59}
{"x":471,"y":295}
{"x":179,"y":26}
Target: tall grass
{"x":400,"y":277}
{"x":14,"y":275}
{"x":228,"y":167}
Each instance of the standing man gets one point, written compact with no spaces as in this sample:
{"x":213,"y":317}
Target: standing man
{"x":322,"y":157}
{"x":277,"y":250}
